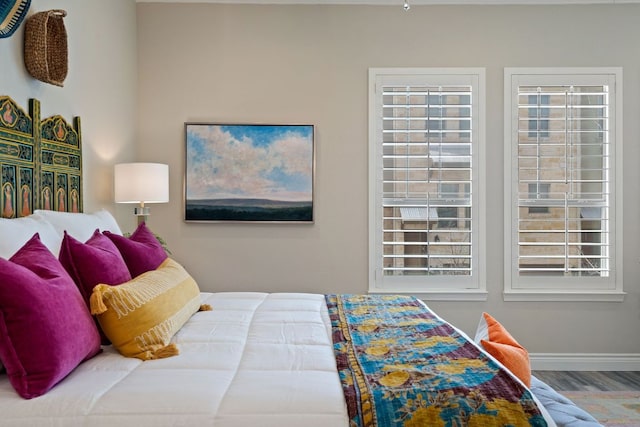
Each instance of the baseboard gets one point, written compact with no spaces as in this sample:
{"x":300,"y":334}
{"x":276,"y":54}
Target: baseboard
{"x":585,"y":362}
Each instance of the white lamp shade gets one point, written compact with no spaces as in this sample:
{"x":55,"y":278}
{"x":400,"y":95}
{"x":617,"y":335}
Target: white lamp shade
{"x":141,"y":183}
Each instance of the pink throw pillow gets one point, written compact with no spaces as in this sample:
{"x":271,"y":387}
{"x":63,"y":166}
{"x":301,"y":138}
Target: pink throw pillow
{"x":46,"y":329}
{"x":141,"y":251}
{"x":97,"y":261}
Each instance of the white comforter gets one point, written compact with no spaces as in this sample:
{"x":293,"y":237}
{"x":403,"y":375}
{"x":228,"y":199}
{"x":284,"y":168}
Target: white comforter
{"x":256,"y":360}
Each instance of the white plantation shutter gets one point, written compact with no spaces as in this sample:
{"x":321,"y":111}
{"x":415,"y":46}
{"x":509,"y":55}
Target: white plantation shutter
{"x":570,"y":159}
{"x":562,"y":144}
{"x":423,"y":141}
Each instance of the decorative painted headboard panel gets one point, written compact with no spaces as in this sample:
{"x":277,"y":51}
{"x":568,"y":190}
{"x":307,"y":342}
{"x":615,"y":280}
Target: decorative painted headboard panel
{"x":40,"y":161}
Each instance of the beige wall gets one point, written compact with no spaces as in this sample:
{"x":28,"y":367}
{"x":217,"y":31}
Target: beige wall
{"x":308,"y":64}
{"x":100,"y":85}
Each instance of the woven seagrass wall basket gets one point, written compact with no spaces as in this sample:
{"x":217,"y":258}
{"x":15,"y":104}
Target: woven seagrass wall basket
{"x":45,"y":46}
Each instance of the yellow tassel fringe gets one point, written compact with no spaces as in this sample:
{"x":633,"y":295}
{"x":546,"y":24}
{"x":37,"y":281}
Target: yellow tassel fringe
{"x":168,"y":351}
{"x":97,"y":305}
{"x":205,"y":307}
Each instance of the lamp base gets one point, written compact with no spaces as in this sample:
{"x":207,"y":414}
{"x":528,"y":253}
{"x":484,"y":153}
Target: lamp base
{"x":142,"y":213}
{"x":138,"y":211}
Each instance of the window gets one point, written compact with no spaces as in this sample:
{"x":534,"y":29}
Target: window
{"x":562,"y":210}
{"x":538,"y":116}
{"x":539,"y":191}
{"x":425,"y":149}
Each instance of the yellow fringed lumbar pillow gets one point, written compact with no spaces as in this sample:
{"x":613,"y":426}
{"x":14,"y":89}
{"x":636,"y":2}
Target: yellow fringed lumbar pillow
{"x":141,"y":316}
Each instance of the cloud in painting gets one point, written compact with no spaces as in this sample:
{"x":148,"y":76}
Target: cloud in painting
{"x":265,"y":162}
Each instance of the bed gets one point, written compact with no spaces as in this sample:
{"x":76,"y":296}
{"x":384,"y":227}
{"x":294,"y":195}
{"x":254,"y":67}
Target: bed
{"x":223,"y":359}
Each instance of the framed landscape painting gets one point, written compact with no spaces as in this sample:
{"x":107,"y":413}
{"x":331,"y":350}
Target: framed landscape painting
{"x":249,"y":173}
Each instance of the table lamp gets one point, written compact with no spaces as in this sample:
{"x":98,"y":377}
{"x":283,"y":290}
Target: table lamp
{"x":141,"y":183}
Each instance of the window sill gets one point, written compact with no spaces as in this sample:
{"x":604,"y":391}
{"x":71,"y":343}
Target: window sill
{"x":444,"y":295}
{"x":546,"y":295}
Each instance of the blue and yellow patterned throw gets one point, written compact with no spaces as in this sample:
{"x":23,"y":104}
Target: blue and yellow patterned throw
{"x":401,"y":365}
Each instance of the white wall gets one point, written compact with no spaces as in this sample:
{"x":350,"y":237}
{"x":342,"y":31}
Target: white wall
{"x":308,"y":64}
{"x":100,"y":86}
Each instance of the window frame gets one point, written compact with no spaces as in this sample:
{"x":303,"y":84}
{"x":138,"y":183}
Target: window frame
{"x":548,"y":288}
{"x":445,"y":287}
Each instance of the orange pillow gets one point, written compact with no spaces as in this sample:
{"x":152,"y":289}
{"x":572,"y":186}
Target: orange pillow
{"x":498,"y":342}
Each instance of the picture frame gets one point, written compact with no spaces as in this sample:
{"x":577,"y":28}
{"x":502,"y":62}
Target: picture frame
{"x":258,"y":173}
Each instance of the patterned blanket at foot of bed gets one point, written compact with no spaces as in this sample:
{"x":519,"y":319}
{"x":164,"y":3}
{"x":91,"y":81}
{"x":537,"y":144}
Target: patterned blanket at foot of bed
{"x":401,"y":365}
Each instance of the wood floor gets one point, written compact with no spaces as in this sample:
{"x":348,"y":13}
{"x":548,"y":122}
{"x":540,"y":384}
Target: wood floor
{"x":590,"y":381}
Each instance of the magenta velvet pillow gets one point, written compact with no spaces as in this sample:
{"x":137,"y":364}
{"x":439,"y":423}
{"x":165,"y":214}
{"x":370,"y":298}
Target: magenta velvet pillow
{"x":97,"y":261}
{"x":141,"y":251}
{"x":45,"y":327}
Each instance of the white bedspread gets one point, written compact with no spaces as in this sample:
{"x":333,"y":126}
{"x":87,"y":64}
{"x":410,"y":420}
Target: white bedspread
{"x":255,"y":360}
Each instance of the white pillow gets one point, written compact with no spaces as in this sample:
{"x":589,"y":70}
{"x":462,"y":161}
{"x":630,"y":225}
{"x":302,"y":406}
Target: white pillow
{"x":16,"y":231}
{"x":79,"y":225}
